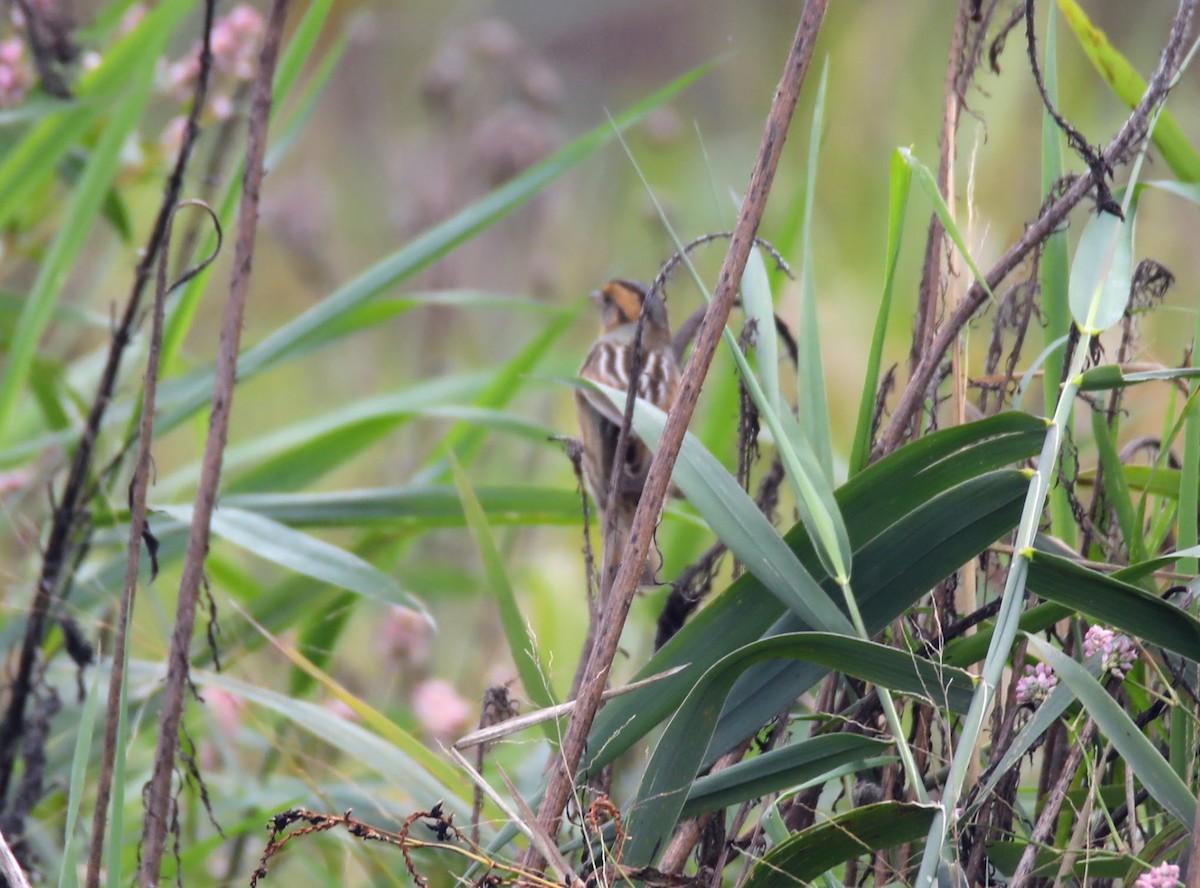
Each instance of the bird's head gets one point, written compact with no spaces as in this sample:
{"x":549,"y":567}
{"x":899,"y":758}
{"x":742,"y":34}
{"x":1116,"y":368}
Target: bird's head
{"x":622,"y":302}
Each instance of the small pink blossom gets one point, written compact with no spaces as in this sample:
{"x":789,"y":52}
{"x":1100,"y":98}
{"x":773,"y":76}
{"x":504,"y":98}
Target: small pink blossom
{"x":171,"y":139}
{"x":405,"y":637}
{"x":15,"y":480}
{"x":226,"y":710}
{"x":132,"y":18}
{"x":235,"y":41}
{"x":1036,"y":685}
{"x":1165,"y":875}
{"x":1116,"y":652}
{"x":16,"y":75}
{"x":342,"y":709}
{"x":440,"y":709}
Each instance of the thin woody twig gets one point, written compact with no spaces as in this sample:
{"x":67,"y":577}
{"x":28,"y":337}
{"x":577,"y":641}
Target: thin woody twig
{"x":67,"y":511}
{"x":139,"y":487}
{"x":158,"y":794}
{"x":624,"y":586}
{"x":1129,"y":135}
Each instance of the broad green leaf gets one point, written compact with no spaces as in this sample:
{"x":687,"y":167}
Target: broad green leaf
{"x":1109,"y":601}
{"x":923,"y":506}
{"x":1102,"y":271}
{"x":678,"y":755}
{"x":899,"y":183}
{"x":1094,"y":863}
{"x":299,"y":552}
{"x":811,"y":852}
{"x":522,"y":646}
{"x":804,"y":762}
{"x":737,"y":521}
{"x":904,"y":564}
{"x":1129,"y":87}
{"x":1140,"y":755}
{"x":1111,"y":376}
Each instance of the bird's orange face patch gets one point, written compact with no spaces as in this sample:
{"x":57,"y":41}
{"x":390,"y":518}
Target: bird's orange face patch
{"x":626,"y":299}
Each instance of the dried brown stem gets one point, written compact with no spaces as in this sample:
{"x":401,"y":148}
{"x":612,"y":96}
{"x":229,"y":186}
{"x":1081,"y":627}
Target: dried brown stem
{"x":67,"y":513}
{"x":158,"y":794}
{"x":624,"y":586}
{"x":1053,"y":804}
{"x":1055,"y":213}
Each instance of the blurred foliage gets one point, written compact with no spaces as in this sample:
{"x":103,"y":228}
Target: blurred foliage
{"x":444,"y":188}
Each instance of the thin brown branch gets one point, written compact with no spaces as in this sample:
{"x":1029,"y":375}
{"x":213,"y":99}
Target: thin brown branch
{"x":641,"y":536}
{"x":68,"y":511}
{"x":1129,"y":135}
{"x":1046,"y":821}
{"x":139,"y":486}
{"x":158,"y":794}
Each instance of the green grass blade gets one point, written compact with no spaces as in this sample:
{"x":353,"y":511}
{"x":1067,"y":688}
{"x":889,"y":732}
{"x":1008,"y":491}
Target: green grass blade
{"x":268,"y":461}
{"x":297,"y":54}
{"x":738,"y":522}
{"x":465,"y":439}
{"x":415,"y":256}
{"x":1138,"y":752}
{"x":805,"y":855}
{"x":899,"y":184}
{"x":29,"y":165}
{"x":1116,"y":490}
{"x":67,"y":877}
{"x":1129,"y":87}
{"x":804,"y":762}
{"x":88,"y":196}
{"x":1114,"y":603}
{"x":1054,"y":272}
{"x":300,"y":553}
{"x":928,"y":184}
{"x":388,"y":749}
{"x":811,"y":399}
{"x":522,"y":645}
{"x":760,"y":308}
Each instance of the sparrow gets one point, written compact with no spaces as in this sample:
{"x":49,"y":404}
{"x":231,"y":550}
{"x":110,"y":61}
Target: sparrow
{"x":610,"y":361}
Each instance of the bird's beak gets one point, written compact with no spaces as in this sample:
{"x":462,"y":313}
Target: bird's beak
{"x":596,"y":297}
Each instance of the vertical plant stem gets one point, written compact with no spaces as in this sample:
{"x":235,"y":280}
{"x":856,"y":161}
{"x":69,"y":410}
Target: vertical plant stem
{"x":1054,"y":802}
{"x":158,"y":793}
{"x":624,"y":586}
{"x":1007,"y":621}
{"x":71,"y":502}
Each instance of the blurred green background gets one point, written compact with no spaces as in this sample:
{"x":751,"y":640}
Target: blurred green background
{"x":435,"y":104}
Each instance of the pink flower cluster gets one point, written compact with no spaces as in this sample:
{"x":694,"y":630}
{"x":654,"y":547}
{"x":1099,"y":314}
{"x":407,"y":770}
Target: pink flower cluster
{"x":1036,"y":685}
{"x":1163,"y":876}
{"x":16,"y":75}
{"x":234,"y":43}
{"x":1116,"y":652}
